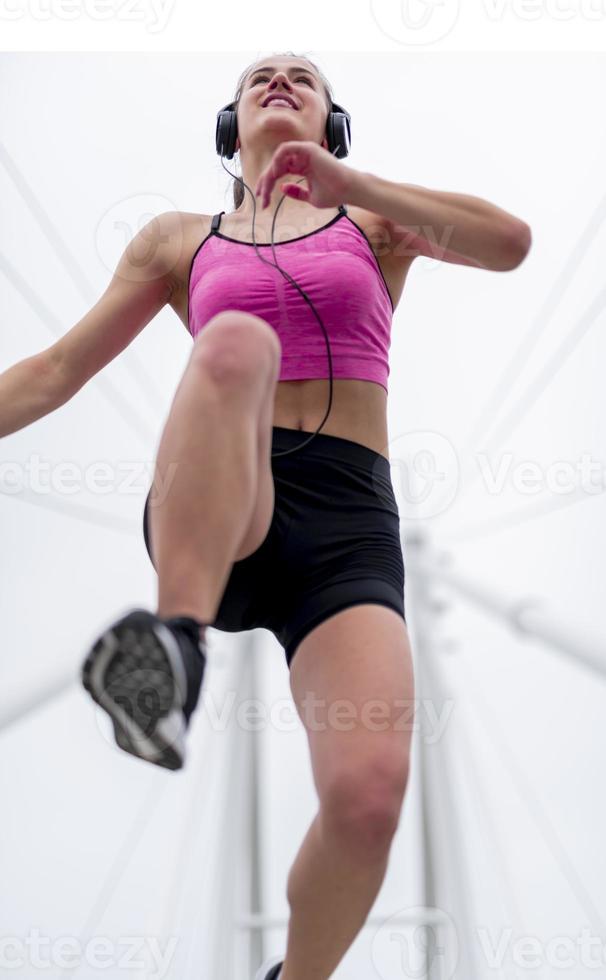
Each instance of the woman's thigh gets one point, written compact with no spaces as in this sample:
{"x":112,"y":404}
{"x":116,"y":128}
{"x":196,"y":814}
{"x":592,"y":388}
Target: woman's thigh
{"x":266,"y":496}
{"x":353,"y":684}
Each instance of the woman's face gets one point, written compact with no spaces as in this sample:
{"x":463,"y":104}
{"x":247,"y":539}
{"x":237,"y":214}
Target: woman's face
{"x":297,"y":82}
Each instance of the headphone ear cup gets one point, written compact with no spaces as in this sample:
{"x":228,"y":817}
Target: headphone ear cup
{"x":338,"y":131}
{"x":227,"y":131}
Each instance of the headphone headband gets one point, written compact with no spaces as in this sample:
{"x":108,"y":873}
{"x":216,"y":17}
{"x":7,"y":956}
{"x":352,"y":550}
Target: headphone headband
{"x":338,"y":130}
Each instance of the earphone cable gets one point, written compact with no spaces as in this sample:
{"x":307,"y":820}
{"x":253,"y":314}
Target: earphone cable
{"x":287,"y":276}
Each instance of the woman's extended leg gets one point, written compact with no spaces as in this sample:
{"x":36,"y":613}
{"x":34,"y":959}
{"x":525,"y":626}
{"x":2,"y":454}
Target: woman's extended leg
{"x":351,"y":680}
{"x":213,"y":492}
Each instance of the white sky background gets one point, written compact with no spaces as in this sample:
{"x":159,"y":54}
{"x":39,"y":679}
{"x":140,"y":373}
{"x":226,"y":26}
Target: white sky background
{"x":98,"y":137}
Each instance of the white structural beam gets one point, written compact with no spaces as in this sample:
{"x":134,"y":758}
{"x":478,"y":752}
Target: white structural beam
{"x":37,"y":697}
{"x":528,"y":615}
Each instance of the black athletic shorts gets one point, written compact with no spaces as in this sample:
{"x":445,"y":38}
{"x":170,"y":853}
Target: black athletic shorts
{"x":334,"y":541}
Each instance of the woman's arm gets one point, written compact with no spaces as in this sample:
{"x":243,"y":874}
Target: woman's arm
{"x":442,"y":225}
{"x":29,"y":390}
{"x":141,"y":285}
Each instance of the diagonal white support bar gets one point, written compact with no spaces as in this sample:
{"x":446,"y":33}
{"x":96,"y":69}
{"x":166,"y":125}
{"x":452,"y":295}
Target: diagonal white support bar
{"x":68,"y":259}
{"x":36,"y":698}
{"x":528,"y":615}
{"x":501,"y":391}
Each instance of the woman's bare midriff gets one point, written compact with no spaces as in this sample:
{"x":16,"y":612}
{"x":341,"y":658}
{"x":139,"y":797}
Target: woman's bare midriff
{"x":358,"y":411}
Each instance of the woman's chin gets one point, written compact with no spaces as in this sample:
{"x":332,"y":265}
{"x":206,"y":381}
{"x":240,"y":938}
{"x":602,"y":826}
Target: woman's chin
{"x":282,"y":121}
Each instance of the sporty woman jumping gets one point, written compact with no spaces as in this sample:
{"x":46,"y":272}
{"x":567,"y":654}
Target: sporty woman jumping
{"x":242,"y":531}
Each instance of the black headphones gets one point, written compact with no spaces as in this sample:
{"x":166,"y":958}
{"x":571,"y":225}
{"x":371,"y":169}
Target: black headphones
{"x":338,"y":130}
{"x":338,"y":137}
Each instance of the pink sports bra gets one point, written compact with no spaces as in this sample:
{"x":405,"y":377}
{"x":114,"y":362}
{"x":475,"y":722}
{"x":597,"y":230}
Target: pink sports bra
{"x":334,"y":265}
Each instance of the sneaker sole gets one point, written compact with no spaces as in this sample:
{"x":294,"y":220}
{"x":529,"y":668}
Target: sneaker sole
{"x":135,"y":673}
{"x":269,"y":969}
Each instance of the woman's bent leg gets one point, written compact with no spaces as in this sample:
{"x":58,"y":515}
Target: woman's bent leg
{"x":207,"y":491}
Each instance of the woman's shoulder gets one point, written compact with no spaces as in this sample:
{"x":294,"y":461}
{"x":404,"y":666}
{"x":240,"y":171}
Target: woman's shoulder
{"x":373,"y":225}
{"x":180,"y":223}
{"x":180,"y":233}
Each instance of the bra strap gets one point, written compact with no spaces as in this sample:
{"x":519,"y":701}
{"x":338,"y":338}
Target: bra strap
{"x":342,"y":209}
{"x":216,"y":221}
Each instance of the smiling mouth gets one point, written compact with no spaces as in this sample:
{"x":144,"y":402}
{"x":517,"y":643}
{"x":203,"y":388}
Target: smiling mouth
{"x":280,"y":104}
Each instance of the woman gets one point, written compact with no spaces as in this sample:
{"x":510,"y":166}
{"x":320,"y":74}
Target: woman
{"x":307,"y":543}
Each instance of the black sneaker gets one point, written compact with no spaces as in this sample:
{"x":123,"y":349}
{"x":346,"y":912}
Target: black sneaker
{"x":270,"y":969}
{"x":147,"y":673}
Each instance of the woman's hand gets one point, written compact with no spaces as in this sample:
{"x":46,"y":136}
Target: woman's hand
{"x":328,"y":180}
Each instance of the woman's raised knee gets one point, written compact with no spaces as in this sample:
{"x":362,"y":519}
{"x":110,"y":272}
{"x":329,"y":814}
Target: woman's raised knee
{"x":235,"y":346}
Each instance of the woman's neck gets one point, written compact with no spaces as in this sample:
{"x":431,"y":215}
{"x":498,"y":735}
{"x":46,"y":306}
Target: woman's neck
{"x":291,"y":210}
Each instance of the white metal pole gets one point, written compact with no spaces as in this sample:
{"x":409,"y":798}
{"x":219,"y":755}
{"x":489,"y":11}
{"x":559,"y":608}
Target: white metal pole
{"x":228,"y":867}
{"x":256,"y":946}
{"x":419,"y":621}
{"x":445,"y":874}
